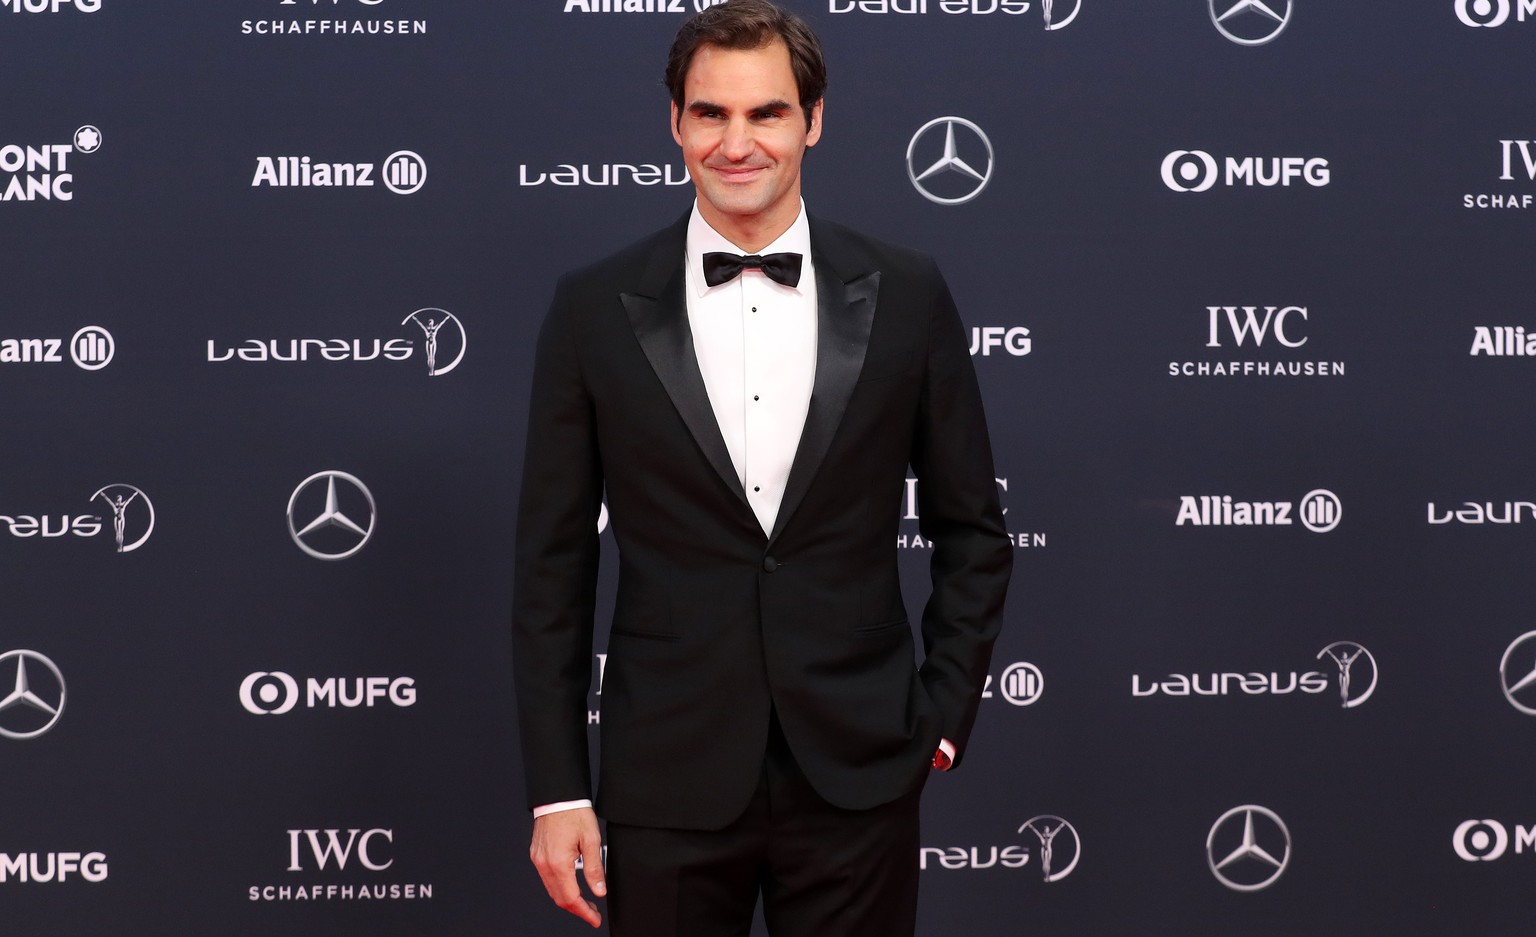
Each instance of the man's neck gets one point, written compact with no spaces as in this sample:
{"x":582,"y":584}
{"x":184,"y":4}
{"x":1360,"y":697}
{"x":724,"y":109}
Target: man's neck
{"x":751,"y":233}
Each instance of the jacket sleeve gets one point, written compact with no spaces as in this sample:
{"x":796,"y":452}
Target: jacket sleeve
{"x":958,"y":511}
{"x":555,"y":579}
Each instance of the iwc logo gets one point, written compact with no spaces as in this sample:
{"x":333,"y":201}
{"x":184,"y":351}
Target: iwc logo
{"x":331,"y":521}
{"x":338,"y":18}
{"x":949,"y":160}
{"x":34,"y":694}
{"x":1253,"y":846}
{"x":1248,"y":22}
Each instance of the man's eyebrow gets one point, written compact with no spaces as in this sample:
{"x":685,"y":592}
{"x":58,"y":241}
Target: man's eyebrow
{"x":776,"y":106}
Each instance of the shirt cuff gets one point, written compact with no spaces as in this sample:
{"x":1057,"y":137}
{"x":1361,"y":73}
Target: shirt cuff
{"x":947,"y":749}
{"x":546,"y":809}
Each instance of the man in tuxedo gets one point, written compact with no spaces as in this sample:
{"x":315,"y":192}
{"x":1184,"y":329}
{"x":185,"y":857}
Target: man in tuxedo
{"x":749,"y":388}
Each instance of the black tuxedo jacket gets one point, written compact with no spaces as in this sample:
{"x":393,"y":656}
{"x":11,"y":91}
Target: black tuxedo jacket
{"x":716,"y":622}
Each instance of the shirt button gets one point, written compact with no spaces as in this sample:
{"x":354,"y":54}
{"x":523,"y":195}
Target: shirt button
{"x":770,"y":564}
{"x":754,"y":308}
{"x":755,"y":397}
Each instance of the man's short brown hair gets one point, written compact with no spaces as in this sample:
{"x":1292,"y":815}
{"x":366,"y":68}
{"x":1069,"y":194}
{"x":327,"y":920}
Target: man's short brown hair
{"x":750,"y":24}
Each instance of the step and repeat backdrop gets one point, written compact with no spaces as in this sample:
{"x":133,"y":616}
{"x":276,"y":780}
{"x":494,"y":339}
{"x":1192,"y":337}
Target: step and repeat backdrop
{"x":1249,"y":291}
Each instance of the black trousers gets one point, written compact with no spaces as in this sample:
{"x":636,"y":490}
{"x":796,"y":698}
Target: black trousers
{"x":822,"y":871}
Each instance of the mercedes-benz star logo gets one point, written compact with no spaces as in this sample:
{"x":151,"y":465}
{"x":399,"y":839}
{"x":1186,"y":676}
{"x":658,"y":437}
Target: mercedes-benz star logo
{"x":950,"y":179}
{"x":25,"y":711}
{"x":1249,"y":22}
{"x":1053,"y":865}
{"x":328,"y":535}
{"x":1249,"y":865}
{"x":1517,"y":672}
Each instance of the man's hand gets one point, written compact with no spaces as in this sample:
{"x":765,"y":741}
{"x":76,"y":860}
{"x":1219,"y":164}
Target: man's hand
{"x":558,"y":839}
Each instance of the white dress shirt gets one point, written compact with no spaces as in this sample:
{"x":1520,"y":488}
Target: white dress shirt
{"x":755,"y":341}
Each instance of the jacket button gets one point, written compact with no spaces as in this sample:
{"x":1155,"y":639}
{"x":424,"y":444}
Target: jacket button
{"x":770,"y":564}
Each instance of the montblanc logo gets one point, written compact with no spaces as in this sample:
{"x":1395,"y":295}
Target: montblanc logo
{"x":333,"y":18}
{"x":357,"y":852}
{"x":443,"y":339}
{"x":402,"y":172}
{"x":273,"y":692}
{"x":1354,"y":667}
{"x":1488,"y":840}
{"x":1020,"y":684}
{"x":133,"y":519}
{"x":1198,"y":171}
{"x":49,"y":6}
{"x":1012,"y":340}
{"x":1502,"y":341}
{"x":1252,"y":331}
{"x":949,"y":160}
{"x":1253,"y":846}
{"x":34,"y":694}
{"x":1481,"y":14}
{"x":910,"y":501}
{"x":1057,"y":841}
{"x":1320,"y":511}
{"x":1477,"y":513}
{"x":1517,"y":163}
{"x":604,"y":175}
{"x":1055,"y":16}
{"x":44,"y":172}
{"x":90,"y":348}
{"x":1249,"y":22}
{"x":38,"y":868}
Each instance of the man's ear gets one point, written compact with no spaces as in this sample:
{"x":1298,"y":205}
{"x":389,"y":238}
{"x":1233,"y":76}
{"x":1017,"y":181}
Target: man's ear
{"x":814,"y":134}
{"x":676,"y":134}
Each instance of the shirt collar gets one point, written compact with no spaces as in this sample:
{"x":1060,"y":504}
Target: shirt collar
{"x":703,"y":239}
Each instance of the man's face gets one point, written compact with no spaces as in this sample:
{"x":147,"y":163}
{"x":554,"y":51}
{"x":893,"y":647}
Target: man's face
{"x":743,"y":134}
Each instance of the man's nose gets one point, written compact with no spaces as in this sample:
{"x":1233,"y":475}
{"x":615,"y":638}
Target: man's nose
{"x":738,"y":142}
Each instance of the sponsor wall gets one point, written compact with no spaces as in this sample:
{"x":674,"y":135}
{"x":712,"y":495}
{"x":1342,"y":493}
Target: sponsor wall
{"x":1248,"y":289}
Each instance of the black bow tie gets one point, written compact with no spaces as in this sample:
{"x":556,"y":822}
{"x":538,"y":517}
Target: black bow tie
{"x":721,"y":267}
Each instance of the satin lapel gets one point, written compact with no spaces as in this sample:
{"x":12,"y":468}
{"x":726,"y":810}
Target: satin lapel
{"x":658,"y":313}
{"x":844,"y":314}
